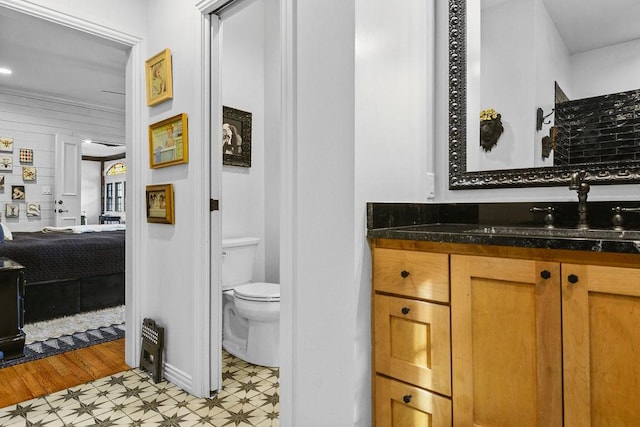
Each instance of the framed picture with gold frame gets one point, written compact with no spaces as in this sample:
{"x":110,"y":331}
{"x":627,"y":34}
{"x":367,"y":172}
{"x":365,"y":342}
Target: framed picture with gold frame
{"x":160,"y":203}
{"x":159,"y":78}
{"x":169,"y":142}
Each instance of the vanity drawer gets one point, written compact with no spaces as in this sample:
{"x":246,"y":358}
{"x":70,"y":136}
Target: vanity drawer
{"x":415,"y":274}
{"x":412,"y":342}
{"x":402,"y":405}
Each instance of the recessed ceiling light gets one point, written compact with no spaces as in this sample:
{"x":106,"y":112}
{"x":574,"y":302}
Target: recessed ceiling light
{"x":4,"y":70}
{"x":88,"y":141}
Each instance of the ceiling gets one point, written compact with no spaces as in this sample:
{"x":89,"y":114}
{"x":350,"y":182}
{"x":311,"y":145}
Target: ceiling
{"x":54,"y":60}
{"x":590,"y":24}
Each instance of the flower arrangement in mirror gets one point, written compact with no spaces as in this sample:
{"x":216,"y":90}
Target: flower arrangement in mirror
{"x":490,"y":128}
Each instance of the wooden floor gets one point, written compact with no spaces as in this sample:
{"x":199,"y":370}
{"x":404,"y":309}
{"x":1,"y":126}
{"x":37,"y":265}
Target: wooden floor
{"x":44,"y":376}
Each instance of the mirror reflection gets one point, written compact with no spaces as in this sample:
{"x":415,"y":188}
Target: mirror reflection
{"x":562,"y":79}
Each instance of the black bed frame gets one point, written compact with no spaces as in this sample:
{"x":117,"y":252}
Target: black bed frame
{"x":51,"y":299}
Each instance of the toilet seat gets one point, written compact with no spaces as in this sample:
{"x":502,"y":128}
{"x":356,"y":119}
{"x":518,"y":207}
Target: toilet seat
{"x":260,"y":291}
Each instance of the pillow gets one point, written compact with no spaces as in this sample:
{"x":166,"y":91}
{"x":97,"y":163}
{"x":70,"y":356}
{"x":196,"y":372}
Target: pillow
{"x":6,"y":232}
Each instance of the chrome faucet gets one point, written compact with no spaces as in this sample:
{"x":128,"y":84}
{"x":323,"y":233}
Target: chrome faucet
{"x":577,"y":183}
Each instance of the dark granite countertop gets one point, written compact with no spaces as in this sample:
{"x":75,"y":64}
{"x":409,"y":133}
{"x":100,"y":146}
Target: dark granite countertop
{"x":432,"y":222}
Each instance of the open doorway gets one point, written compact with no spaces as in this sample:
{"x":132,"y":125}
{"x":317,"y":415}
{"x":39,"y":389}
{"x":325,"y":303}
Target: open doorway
{"x":80,"y":92}
{"x":246,"y":41}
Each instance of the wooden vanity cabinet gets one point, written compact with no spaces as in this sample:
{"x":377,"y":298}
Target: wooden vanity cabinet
{"x":538,"y":338}
{"x":411,"y":333}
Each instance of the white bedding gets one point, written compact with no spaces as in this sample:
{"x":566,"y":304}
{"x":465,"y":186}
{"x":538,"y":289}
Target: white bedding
{"x":78,"y":229}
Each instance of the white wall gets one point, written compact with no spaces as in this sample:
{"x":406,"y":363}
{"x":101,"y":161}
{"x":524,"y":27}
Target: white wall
{"x":175,"y":258}
{"x":318,"y":293}
{"x":32,"y":121}
{"x":272,"y":138}
{"x":607,"y":70}
{"x":242,"y":75}
{"x":393,"y":135}
{"x":551,"y":65}
{"x":507,"y":84}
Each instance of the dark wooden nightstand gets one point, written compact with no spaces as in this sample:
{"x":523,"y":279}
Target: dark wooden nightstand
{"x":12,"y":283}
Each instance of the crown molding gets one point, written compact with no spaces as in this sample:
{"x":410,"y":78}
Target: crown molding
{"x":70,"y":21}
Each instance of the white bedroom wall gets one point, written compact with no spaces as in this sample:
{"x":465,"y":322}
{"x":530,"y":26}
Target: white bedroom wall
{"x":32,"y":121}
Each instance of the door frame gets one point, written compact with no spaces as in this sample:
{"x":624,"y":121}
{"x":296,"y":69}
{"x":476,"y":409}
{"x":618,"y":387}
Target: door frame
{"x":287,"y":253}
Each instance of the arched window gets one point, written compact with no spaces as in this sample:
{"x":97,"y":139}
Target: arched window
{"x":118,"y":168}
{"x":116,"y":187}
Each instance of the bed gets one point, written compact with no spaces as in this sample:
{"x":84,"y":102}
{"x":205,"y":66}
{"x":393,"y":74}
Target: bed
{"x":69,"y":270}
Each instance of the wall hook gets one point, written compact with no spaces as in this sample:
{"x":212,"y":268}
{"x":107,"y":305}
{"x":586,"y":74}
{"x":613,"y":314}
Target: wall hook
{"x":540,"y":118}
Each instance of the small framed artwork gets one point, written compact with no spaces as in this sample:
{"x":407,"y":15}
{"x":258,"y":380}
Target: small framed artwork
{"x":33,"y":210}
{"x":6,"y":144}
{"x":159,"y":78}
{"x":236,"y":137}
{"x":11,"y":210}
{"x":17,"y":192}
{"x":2,"y":182}
{"x":6,"y":163}
{"x":26,"y":155}
{"x":28,"y":173}
{"x":169,"y":142}
{"x":160,"y":203}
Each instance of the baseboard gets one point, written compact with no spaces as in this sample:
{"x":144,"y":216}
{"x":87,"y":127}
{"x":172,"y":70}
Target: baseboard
{"x":177,"y":377}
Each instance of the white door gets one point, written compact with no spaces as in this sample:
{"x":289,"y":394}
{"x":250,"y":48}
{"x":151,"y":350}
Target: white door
{"x":68,"y":157}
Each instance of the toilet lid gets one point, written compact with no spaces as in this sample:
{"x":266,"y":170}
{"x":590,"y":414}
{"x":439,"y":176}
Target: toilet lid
{"x":258,"y":291}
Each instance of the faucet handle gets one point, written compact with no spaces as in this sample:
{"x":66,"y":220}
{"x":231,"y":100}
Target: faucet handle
{"x":617,"y":219}
{"x":549,"y":218}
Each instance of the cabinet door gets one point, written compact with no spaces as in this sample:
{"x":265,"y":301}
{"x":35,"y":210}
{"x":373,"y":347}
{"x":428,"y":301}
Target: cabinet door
{"x":402,"y":405}
{"x":506,"y":342}
{"x":412,"y":342}
{"x":601,"y":337}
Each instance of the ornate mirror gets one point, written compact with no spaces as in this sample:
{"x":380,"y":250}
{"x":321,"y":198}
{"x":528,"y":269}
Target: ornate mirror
{"x":557,"y":139}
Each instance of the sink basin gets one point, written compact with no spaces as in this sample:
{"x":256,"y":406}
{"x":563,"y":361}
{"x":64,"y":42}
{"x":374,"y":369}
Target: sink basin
{"x":559,"y":232}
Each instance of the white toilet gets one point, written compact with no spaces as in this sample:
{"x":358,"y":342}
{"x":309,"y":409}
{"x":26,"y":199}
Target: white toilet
{"x":250,"y":311}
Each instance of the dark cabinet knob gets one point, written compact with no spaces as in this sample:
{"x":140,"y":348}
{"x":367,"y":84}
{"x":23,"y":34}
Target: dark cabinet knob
{"x":406,"y":398}
{"x":405,"y":310}
{"x":404,"y":274}
{"x":545,"y":274}
{"x":572,"y":278}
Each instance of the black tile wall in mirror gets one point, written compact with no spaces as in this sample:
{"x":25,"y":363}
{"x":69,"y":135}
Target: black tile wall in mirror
{"x":598,"y":129}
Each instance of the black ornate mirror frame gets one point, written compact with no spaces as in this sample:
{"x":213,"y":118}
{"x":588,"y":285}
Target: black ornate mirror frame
{"x":459,"y":178}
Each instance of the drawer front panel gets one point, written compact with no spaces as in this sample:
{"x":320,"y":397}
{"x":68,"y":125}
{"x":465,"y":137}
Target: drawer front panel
{"x":416,"y":274}
{"x":402,"y":405}
{"x":413,"y":342}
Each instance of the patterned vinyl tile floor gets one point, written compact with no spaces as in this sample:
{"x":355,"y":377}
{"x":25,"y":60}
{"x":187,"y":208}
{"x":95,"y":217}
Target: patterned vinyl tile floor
{"x":249,"y":398}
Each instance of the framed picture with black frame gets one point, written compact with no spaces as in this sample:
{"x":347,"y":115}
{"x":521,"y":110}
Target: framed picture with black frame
{"x":236,"y":137}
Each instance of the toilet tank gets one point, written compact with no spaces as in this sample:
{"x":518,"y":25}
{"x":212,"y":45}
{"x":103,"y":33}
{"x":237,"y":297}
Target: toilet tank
{"x":238,"y":255}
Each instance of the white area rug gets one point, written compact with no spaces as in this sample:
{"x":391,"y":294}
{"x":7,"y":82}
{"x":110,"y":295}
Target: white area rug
{"x":42,"y":331}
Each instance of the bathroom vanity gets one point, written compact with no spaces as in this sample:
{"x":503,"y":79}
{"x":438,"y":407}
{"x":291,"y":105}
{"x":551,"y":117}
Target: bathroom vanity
{"x":487,"y":323}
